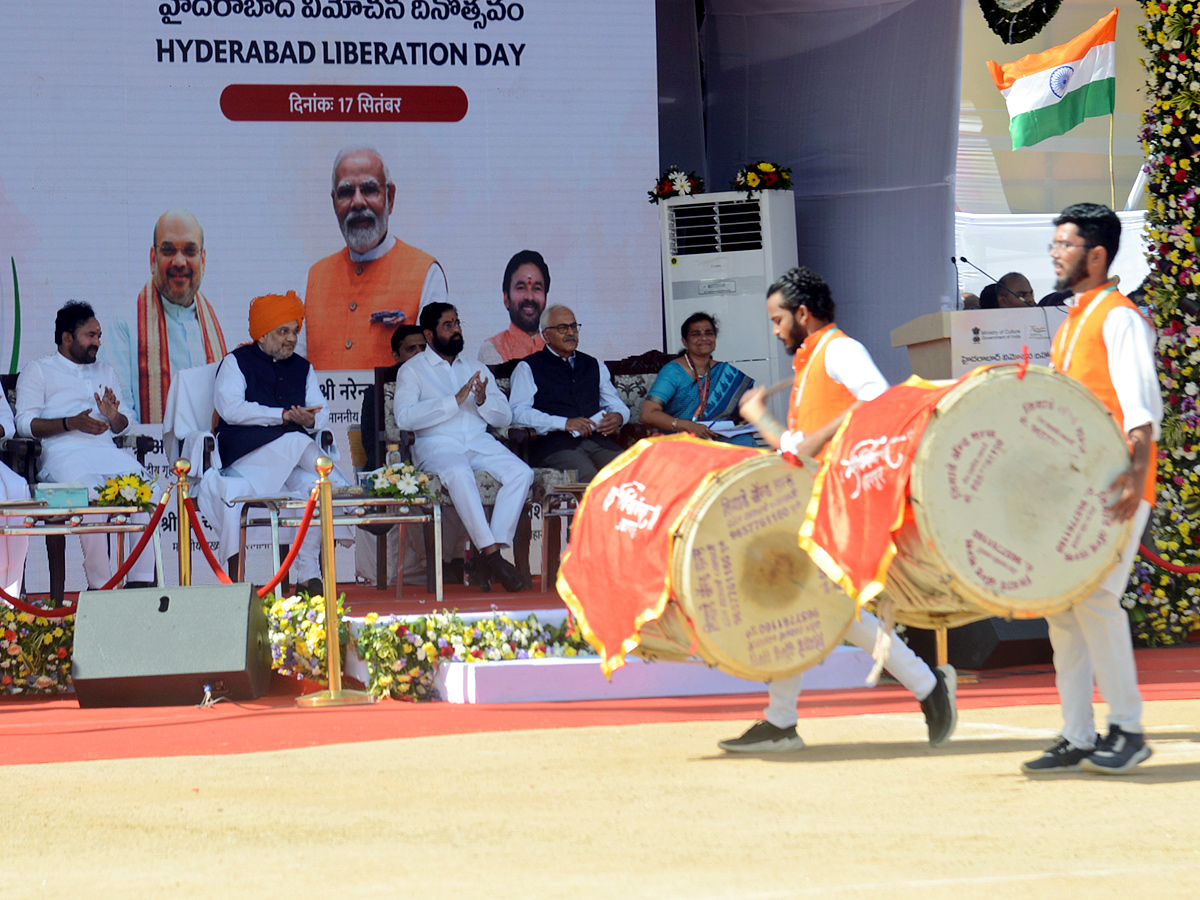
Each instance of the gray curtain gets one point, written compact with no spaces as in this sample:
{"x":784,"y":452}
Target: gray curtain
{"x":860,"y":99}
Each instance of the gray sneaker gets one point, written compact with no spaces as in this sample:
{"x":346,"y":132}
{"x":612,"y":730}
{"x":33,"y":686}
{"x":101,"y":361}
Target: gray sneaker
{"x":1117,"y":752}
{"x":763,"y":737}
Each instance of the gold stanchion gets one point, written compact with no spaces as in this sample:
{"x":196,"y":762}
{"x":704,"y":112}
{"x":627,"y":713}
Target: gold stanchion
{"x":335,"y":696}
{"x":182,"y":467}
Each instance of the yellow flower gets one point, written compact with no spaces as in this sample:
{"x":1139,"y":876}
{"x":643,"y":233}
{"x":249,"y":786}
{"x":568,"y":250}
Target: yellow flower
{"x":371,"y":618}
{"x":752,"y":179}
{"x":766,"y":167}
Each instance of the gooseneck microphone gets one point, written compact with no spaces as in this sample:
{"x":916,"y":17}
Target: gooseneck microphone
{"x":980,"y":271}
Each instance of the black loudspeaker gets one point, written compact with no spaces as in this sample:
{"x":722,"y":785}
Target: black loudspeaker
{"x":161,"y":646}
{"x":990,"y":644}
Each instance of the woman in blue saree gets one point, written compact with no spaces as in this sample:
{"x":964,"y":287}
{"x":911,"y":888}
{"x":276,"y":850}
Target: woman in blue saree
{"x":695,"y":393}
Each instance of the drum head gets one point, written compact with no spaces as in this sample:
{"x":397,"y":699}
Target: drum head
{"x":1009,"y":486}
{"x":761,"y":607}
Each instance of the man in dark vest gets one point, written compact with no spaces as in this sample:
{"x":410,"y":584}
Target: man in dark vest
{"x":270,"y":406}
{"x":569,"y":399}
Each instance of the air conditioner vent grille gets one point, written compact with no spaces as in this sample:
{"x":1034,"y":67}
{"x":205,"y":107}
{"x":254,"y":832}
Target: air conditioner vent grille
{"x":715,"y":227}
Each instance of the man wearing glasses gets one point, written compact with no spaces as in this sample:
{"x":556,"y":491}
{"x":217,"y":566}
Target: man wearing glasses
{"x":176,"y":327}
{"x":449,"y":402}
{"x":356,"y":297}
{"x":569,"y":399}
{"x":1107,"y":346}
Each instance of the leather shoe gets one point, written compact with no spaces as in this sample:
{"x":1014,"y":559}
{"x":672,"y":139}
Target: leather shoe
{"x":313,"y":587}
{"x":508,"y":574}
{"x":140,"y":584}
{"x":479,"y":572}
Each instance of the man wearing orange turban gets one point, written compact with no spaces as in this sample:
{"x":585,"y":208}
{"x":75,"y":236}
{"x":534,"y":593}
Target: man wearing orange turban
{"x":270,"y":408}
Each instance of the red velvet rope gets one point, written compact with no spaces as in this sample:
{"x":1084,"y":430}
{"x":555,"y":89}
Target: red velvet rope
{"x":194,"y":520}
{"x":151,"y":526}
{"x":301,"y":531}
{"x":61,"y":612}
{"x":1153,"y":557}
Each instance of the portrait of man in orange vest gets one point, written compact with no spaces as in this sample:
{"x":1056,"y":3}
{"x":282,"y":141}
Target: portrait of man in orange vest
{"x":525,"y":286}
{"x":357,"y":297}
{"x":1108,"y":346}
{"x":833,"y":374}
{"x":175,"y":327}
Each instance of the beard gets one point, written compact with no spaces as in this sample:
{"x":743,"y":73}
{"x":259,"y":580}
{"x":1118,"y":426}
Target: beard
{"x":795,"y":337}
{"x":363,"y":230}
{"x":526,"y":316}
{"x":451,"y":347}
{"x":1071,"y":276}
{"x":82,"y":355}
{"x":184,"y":297}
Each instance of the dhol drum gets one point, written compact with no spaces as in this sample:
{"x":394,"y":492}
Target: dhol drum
{"x":740,"y":593}
{"x":1008,"y":491}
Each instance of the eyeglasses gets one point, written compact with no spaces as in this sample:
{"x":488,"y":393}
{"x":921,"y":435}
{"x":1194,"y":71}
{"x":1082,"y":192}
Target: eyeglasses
{"x":450,"y":325}
{"x":1063,"y":246}
{"x":564,"y":329}
{"x":369,"y":190}
{"x":191,"y":251}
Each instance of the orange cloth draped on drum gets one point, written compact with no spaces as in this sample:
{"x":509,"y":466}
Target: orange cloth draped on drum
{"x":816,"y":398}
{"x":616,"y":575}
{"x":1079,"y":352}
{"x":860,"y":493}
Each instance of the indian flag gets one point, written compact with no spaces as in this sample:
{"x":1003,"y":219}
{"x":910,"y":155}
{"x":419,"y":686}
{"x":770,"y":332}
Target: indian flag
{"x":1051,"y":92}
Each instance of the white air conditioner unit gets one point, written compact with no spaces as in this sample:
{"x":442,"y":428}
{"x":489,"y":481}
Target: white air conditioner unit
{"x":720,"y":253}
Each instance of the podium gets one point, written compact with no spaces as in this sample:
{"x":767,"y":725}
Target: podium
{"x":949,"y":344}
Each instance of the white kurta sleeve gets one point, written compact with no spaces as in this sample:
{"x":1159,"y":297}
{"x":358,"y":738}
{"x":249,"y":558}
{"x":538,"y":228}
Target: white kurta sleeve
{"x":416,"y":406}
{"x":229,"y":398}
{"x":610,"y":400}
{"x":1130,"y":343}
{"x":31,"y":397}
{"x":520,"y":398}
{"x":495,"y":409}
{"x":849,"y":364}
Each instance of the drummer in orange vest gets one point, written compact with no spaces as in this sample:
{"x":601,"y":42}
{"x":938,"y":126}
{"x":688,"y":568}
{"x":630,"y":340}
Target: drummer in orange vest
{"x":834,"y":374}
{"x":1106,"y":345}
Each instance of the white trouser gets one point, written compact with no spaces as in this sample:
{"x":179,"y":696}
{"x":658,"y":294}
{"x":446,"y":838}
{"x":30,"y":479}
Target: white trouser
{"x":13,"y":547}
{"x":96,"y":565}
{"x":904,"y":665}
{"x":457,"y":473}
{"x":1092,"y":644}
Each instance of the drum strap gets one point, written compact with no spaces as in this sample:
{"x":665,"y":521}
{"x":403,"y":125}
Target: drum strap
{"x":1078,"y":329}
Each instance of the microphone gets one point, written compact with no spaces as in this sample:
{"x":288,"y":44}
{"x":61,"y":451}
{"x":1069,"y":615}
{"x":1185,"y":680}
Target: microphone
{"x":957,"y":284}
{"x":980,"y":271}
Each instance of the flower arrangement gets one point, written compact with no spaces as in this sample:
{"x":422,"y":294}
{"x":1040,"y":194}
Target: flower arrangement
{"x":402,"y":657}
{"x":1165,"y":606}
{"x":126,"y":490}
{"x":676,"y":183}
{"x":762,"y":176}
{"x":35,"y":653}
{"x":296,"y":626}
{"x":402,"y":481}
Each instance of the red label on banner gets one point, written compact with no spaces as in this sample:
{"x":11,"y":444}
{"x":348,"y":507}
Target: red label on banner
{"x":343,"y":103}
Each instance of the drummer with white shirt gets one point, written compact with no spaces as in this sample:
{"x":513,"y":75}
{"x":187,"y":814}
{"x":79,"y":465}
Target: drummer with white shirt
{"x":833,"y":374}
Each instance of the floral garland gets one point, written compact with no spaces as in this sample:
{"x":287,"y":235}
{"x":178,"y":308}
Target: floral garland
{"x":403,"y":481}
{"x":35,"y":653}
{"x":676,"y":183}
{"x":761,"y":176}
{"x":1164,"y":606}
{"x":402,"y":656}
{"x":126,"y":490}
{"x":296,"y":626}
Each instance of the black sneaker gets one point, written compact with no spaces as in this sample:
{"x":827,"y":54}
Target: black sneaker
{"x":1062,"y":757}
{"x":940,"y":707}
{"x":1117,"y":752}
{"x":763,"y":737}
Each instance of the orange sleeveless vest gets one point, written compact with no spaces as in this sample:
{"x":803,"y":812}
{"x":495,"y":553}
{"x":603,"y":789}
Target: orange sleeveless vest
{"x":1079,"y":352}
{"x":816,"y":398}
{"x":341,"y":296}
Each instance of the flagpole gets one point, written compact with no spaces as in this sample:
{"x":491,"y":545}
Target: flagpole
{"x":1112,"y":181}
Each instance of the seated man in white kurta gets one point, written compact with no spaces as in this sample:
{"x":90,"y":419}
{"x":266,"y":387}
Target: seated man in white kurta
{"x":446,"y":399}
{"x":72,"y":402}
{"x":12,"y":487}
{"x":270,"y":406}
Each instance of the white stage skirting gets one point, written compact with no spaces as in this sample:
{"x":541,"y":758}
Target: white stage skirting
{"x":580,"y":678}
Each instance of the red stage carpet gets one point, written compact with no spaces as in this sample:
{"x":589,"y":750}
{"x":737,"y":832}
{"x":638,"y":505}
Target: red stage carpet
{"x":57,"y":730}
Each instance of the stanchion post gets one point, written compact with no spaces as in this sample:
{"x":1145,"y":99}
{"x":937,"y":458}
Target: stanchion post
{"x":182,"y":467}
{"x":335,"y":696}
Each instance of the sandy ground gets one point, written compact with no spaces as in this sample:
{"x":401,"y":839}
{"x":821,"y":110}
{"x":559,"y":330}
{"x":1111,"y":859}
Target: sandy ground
{"x":651,"y":811}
